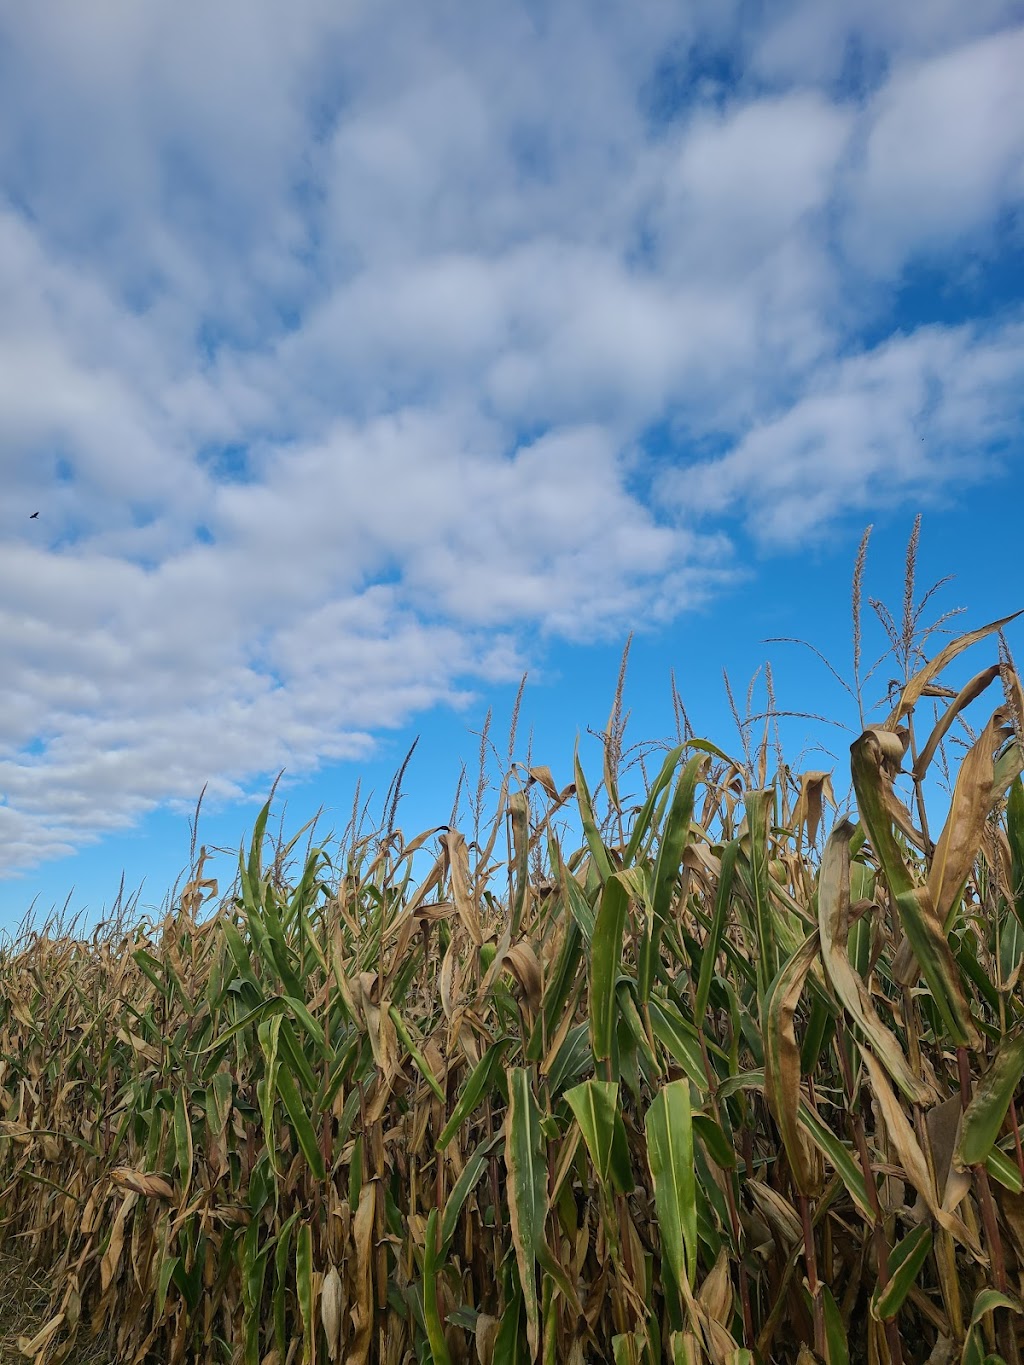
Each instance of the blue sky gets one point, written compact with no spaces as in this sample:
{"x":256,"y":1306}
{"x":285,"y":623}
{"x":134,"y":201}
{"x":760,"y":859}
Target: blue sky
{"x":359,"y":359}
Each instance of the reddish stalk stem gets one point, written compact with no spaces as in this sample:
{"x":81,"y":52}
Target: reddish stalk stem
{"x":811,"y":1260}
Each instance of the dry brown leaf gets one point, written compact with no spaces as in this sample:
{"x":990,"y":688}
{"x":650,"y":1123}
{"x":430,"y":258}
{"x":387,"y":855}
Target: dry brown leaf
{"x":152,"y":1186}
{"x":458,"y":861}
{"x":522,"y":961}
{"x":912,"y":1158}
{"x":112,"y":1256}
{"x":486,"y":1335}
{"x":815,"y":790}
{"x":31,"y":1346}
{"x":964,"y":830}
{"x":715,"y":1294}
{"x":331,"y":1306}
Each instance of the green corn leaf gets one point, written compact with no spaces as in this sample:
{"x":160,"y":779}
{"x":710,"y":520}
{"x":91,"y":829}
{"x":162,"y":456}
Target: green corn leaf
{"x":987,"y":1110}
{"x":254,"y":1264}
{"x":168,"y":1266}
{"x":719,"y":919}
{"x":478,"y":1083}
{"x":840,"y":1157}
{"x":527,"y":1187}
{"x":255,"y":865}
{"x":558,"y":988}
{"x":642,"y":825}
{"x":593,"y":837}
{"x":435,"y":1328}
{"x":836,"y":1336}
{"x":1015,"y":837}
{"x":666,"y":870}
{"x":239,"y":953}
{"x":669,"y":1131}
{"x":269,"y":1034}
{"x":572,"y":1060}
{"x":293,"y":1054}
{"x":562,"y":1281}
{"x":304,"y":1291}
{"x":837,"y":1153}
{"x":281,"y":1265}
{"x":605,"y":959}
{"x":594,"y":1105}
{"x":679,"y":1037}
{"x":219,"y":1094}
{"x":275,"y":948}
{"x":300,"y":1121}
{"x":183,"y":1145}
{"x":417,"y":1056}
{"x":509,"y":1347}
{"x":622,"y":1167}
{"x":1007,"y":1172}
{"x":463,"y":1187}
{"x":267,"y":1009}
{"x":580,"y":908}
{"x":905,"y":1262}
{"x":758,"y":805}
{"x":717,"y":1145}
{"x":987,"y":1301}
{"x":152,"y":968}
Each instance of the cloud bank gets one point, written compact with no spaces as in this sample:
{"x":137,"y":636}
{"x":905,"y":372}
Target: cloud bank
{"x":334,"y":340}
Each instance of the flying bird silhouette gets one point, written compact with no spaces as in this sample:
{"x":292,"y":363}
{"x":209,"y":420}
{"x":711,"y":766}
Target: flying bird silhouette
{"x":33,"y":516}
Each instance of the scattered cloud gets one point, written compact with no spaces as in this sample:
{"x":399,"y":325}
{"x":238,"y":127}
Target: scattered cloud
{"x":941,"y":156}
{"x":332,"y":342}
{"x":910,"y":419}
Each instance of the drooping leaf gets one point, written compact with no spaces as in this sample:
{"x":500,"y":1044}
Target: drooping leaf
{"x":782,"y":1061}
{"x":925,"y":932}
{"x":834,"y":927}
{"x":594,"y":1105}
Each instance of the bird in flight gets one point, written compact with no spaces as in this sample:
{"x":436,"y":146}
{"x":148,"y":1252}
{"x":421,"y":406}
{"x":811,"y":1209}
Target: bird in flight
{"x":33,"y":516}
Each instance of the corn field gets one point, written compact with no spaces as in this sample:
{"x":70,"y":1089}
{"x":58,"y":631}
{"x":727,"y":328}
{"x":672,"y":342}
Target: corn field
{"x":720,"y":1084}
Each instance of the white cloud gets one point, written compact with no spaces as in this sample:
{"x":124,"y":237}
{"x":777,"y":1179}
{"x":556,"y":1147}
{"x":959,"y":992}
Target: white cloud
{"x":943,"y":155}
{"x":909,"y":419}
{"x":330,"y":339}
{"x":832,"y":41}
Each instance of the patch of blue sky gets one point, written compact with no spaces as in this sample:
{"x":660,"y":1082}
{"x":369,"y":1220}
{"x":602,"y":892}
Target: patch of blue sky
{"x":686,"y":77}
{"x":227,"y":463}
{"x":979,"y":286}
